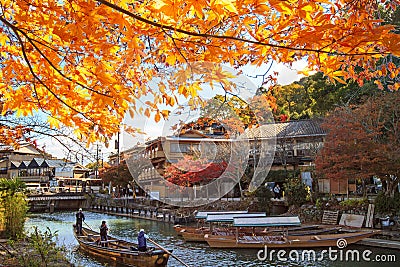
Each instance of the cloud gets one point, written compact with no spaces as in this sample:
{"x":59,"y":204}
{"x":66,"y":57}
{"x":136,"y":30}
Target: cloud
{"x":289,"y":75}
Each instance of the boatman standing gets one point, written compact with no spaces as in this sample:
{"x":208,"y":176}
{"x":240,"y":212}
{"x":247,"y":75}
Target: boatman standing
{"x":103,"y":234}
{"x":80,"y":218}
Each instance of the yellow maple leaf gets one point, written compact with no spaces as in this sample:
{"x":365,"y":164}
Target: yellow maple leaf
{"x":3,"y":39}
{"x":54,"y":123}
{"x":227,"y":4}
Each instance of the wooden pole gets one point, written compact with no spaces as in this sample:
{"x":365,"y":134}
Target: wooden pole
{"x":88,"y":226}
{"x":167,"y":251}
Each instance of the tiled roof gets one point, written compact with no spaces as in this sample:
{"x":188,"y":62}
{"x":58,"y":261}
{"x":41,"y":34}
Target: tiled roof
{"x":56,"y":162}
{"x":39,"y":161}
{"x":15,"y":164}
{"x":23,"y":148}
{"x":289,"y":129}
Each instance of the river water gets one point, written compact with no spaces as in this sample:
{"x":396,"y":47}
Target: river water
{"x":197,"y":254}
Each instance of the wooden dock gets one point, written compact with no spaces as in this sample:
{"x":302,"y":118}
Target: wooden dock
{"x":382,"y":243}
{"x":142,"y":212}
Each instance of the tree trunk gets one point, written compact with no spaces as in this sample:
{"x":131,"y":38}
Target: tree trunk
{"x":391,"y":188}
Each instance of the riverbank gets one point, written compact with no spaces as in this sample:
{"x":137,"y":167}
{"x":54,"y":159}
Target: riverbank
{"x":22,"y":253}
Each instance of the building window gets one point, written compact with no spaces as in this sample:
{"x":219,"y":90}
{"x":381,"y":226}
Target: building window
{"x":182,"y":148}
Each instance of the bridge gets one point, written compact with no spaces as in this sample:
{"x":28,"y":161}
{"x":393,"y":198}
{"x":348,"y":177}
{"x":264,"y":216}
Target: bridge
{"x":58,"y":201}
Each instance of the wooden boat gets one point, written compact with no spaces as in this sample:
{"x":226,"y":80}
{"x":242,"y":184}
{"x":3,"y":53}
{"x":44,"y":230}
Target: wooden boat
{"x":181,"y":228}
{"x":201,"y":216}
{"x":122,"y":252}
{"x":305,"y":241}
{"x":295,"y":231}
{"x":204,"y":214}
{"x":280,"y":241}
{"x":197,"y":235}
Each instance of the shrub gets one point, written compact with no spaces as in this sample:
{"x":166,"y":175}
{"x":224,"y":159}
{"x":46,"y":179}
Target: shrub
{"x":354,"y":203}
{"x":39,"y":249}
{"x":384,"y":203}
{"x":319,"y":204}
{"x":14,"y":206}
{"x":264,"y":196}
{"x":296,"y":192}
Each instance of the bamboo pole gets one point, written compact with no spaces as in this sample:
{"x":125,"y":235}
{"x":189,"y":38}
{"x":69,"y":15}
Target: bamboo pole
{"x":167,"y":251}
{"x":88,"y":226}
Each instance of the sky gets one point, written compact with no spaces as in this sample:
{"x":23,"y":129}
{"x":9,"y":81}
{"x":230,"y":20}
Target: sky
{"x":153,"y":130}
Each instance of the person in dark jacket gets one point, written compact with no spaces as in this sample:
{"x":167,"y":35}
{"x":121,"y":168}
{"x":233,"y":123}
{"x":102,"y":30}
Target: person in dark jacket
{"x":80,"y":218}
{"x":103,"y":234}
{"x":142,"y":240}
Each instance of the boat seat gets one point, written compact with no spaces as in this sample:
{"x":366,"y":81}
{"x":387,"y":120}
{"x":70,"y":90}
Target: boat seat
{"x":316,"y":238}
{"x":259,"y":238}
{"x":91,"y":235}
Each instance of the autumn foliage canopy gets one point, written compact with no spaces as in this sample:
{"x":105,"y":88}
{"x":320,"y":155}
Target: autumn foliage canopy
{"x":86,"y":63}
{"x":189,"y":171}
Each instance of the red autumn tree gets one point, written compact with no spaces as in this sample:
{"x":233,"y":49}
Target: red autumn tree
{"x":363,"y":141}
{"x":189,"y":171}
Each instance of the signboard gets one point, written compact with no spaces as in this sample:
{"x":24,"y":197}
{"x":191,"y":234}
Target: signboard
{"x":306,"y":178}
{"x":352,"y":220}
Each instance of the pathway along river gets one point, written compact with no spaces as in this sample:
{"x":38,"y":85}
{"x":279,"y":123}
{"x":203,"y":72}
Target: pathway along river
{"x":194,"y":254}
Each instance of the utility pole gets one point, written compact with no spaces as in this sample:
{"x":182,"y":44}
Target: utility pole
{"x":97,"y":162}
{"x":118,"y":159}
{"x":117,"y":147}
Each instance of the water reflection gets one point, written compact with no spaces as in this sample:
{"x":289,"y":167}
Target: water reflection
{"x":194,"y":254}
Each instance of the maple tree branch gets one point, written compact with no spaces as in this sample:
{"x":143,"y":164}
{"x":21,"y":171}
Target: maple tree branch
{"x":16,"y":30}
{"x":179,"y":50}
{"x":262,"y":75}
{"x":225,"y":37}
{"x":68,"y":147}
{"x":37,"y":78}
{"x":37,"y":96}
{"x":55,"y":68}
{"x":42,"y":129}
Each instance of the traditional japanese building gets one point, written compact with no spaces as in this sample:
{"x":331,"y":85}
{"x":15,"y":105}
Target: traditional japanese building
{"x":33,"y":166}
{"x":295,"y":146}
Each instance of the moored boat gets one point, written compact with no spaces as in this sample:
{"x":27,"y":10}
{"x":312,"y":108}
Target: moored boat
{"x":197,"y":235}
{"x":179,"y":228}
{"x":122,"y":252}
{"x":201,"y":216}
{"x":283,"y":240}
{"x":306,"y":241}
